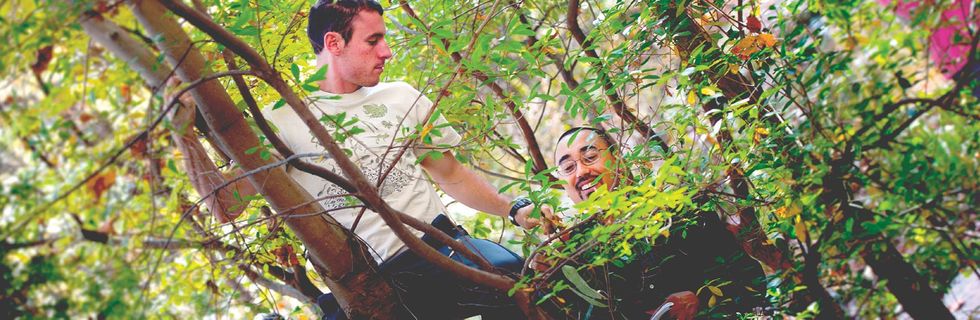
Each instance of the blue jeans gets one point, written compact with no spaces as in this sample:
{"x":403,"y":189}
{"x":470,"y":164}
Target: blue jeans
{"x":429,"y":292}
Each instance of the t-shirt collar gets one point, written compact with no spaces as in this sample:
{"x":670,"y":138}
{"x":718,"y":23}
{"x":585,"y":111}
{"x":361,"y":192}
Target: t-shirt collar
{"x":343,"y":97}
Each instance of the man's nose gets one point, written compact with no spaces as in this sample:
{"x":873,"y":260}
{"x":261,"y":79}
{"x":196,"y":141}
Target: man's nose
{"x":384,"y":51}
{"x":583,"y":170}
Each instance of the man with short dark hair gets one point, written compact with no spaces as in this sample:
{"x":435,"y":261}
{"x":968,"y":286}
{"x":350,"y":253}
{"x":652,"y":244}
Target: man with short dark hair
{"x":674,"y":269}
{"x":348,"y":37}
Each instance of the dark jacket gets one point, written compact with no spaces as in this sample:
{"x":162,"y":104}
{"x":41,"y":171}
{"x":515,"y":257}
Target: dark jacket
{"x":697,"y":253}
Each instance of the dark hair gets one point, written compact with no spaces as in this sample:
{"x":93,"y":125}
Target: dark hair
{"x":601,"y":133}
{"x":335,"y":16}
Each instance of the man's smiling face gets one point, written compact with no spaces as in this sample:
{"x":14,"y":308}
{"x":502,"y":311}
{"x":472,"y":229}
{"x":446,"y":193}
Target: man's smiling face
{"x":585,"y":164}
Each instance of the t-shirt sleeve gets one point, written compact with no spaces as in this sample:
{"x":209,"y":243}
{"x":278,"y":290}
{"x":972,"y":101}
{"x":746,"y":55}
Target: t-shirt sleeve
{"x":435,"y":135}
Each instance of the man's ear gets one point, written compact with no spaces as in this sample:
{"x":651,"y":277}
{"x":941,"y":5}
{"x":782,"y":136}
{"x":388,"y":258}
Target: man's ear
{"x":333,"y":42}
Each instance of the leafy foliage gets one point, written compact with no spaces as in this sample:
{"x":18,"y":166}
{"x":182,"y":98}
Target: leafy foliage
{"x":851,"y":140}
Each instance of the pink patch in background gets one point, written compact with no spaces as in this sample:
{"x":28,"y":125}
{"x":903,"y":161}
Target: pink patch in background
{"x":948,"y":52}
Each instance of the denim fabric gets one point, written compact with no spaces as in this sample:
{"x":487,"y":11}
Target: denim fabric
{"x":428,"y":292}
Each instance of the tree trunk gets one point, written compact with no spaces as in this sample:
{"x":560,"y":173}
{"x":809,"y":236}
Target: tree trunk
{"x":748,"y":231}
{"x":910,"y":288}
{"x":344,"y":262}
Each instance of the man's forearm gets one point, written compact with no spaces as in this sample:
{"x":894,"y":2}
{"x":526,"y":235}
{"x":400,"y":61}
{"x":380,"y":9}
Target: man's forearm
{"x":475,"y":192}
{"x":466,"y":186}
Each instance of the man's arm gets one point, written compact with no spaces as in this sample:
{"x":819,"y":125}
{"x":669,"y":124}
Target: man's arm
{"x":203,"y":174}
{"x":474,"y":191}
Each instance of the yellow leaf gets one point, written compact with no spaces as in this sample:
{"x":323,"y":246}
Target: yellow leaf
{"x":760,"y":133}
{"x":800,"y":229}
{"x":715,"y":291}
{"x":626,"y":248}
{"x":733,"y":68}
{"x":838,"y":215}
{"x":691,"y":97}
{"x":712,"y":301}
{"x":781,"y":212}
{"x":708,"y":91}
{"x":425,"y":131}
{"x":788,"y":211}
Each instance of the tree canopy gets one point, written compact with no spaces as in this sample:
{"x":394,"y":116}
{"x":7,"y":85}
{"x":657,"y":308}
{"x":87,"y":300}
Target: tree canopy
{"x":839,"y":140}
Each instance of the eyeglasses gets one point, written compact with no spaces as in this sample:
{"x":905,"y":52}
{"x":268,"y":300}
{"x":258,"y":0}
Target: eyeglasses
{"x":589,"y":156}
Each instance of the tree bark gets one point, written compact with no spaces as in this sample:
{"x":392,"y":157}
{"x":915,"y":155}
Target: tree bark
{"x":367,"y":192}
{"x":348,"y":268}
{"x":910,"y":288}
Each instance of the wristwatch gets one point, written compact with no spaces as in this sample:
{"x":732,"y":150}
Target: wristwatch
{"x":518,"y":204}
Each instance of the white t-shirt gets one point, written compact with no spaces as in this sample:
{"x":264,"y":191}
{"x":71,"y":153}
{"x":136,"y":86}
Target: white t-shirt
{"x":387,"y":112}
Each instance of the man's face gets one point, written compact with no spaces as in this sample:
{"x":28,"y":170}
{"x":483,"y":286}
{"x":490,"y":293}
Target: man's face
{"x":361,"y":60}
{"x":587,"y":164}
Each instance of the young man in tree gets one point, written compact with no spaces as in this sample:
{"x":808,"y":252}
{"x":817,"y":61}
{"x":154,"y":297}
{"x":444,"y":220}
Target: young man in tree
{"x":348,"y":37}
{"x":672,"y":270}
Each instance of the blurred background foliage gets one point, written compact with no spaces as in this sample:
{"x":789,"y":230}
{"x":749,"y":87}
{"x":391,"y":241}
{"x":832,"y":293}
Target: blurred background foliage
{"x":847,"y":128}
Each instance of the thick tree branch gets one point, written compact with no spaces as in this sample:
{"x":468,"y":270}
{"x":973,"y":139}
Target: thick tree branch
{"x":368,"y":193}
{"x":617,"y":102}
{"x":345,"y":262}
{"x":332,"y":177}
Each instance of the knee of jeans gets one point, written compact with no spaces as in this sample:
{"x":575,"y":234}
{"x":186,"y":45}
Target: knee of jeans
{"x":496,"y":255}
{"x":328,"y":304}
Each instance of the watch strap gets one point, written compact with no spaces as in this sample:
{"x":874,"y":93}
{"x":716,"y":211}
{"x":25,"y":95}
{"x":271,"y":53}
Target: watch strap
{"x":518,"y":204}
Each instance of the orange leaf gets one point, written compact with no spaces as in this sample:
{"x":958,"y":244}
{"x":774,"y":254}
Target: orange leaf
{"x":125,"y":93}
{"x":100,"y":183}
{"x":85,"y":117}
{"x":285,"y":255}
{"x":766,"y":40}
{"x":752,"y":44}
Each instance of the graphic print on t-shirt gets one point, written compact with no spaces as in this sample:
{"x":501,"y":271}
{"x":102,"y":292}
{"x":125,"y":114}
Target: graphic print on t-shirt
{"x":366,"y":149}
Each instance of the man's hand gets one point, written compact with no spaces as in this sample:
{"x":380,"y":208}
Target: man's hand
{"x":685,"y":305}
{"x":548,"y":223}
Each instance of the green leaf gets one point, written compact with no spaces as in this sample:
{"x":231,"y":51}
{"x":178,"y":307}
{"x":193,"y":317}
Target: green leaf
{"x":279,"y":103}
{"x":572,"y":275}
{"x":294,"y":69}
{"x":320,"y":74}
